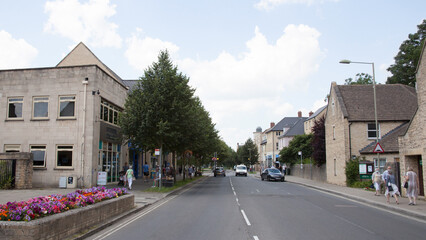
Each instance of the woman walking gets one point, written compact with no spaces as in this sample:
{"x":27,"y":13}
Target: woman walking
{"x":391,"y":188}
{"x":377,"y":180}
{"x":129,"y":175}
{"x":413,"y":186}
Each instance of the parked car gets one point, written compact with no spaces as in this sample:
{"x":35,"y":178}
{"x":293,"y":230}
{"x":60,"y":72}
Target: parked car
{"x":219,"y":171}
{"x":272,"y":174}
{"x":241,"y":170}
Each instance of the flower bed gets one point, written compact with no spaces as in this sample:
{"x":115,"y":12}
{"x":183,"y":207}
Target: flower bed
{"x":44,"y":206}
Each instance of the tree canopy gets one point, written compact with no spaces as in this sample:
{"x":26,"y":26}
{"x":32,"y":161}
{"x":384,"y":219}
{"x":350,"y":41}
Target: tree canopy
{"x":247,"y":154}
{"x":361,"y":78}
{"x":162,"y":111}
{"x":407,"y":59}
{"x":289,"y":154}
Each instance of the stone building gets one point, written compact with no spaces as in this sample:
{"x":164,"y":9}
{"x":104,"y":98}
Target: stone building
{"x":67,"y":117}
{"x":310,"y":121}
{"x":412,"y":144}
{"x":350,"y":123}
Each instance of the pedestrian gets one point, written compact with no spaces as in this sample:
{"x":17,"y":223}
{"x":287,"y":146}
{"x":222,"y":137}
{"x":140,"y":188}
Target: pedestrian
{"x":385,"y":175}
{"x":130,"y":176}
{"x":284,"y":167}
{"x":145,"y":172}
{"x":190,"y":170}
{"x":413,"y":186}
{"x":125,"y":168}
{"x":377,"y":180}
{"x":391,"y":187}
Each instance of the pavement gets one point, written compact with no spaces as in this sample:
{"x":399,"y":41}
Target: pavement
{"x":144,"y":199}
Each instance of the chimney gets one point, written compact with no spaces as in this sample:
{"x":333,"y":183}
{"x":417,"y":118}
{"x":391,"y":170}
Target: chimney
{"x":310,"y":113}
{"x":299,"y":114}
{"x":272,"y":124}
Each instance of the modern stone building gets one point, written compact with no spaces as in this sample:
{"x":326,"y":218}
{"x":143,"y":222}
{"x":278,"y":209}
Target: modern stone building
{"x":67,"y":117}
{"x":350,"y":124}
{"x":412,"y":145}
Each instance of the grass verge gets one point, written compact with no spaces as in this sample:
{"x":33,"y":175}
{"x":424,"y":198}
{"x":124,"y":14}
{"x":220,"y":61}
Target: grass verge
{"x":175,"y":186}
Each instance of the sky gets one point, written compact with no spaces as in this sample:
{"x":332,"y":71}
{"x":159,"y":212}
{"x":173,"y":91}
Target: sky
{"x":252,"y":62}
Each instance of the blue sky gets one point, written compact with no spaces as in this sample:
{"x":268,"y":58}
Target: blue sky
{"x":252,"y":62}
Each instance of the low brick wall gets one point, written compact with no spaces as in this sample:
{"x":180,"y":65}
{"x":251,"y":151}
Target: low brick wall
{"x":65,"y":225}
{"x":24,"y":168}
{"x":318,"y":173}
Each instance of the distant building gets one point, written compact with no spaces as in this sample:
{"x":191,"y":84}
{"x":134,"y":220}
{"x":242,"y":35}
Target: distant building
{"x":310,"y":121}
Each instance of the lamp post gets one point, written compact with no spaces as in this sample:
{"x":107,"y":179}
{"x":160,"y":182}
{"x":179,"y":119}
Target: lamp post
{"x":374,"y":92}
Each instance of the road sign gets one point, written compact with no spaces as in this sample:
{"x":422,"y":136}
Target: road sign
{"x":378,"y":149}
{"x":157,"y":152}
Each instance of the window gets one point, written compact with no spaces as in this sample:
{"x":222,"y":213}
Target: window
{"x":14,"y":110}
{"x":371,"y":130}
{"x":66,"y":106}
{"x":109,"y":112}
{"x":39,"y":155}
{"x":12,"y":148}
{"x":380,"y":164}
{"x":64,"y":155}
{"x":277,"y":146}
{"x":40,"y":107}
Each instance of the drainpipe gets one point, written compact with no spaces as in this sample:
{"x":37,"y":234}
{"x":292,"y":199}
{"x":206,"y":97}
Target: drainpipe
{"x":83,"y":137}
{"x":350,"y":142}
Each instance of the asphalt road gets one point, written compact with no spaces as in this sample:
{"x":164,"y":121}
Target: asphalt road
{"x":247,"y":208}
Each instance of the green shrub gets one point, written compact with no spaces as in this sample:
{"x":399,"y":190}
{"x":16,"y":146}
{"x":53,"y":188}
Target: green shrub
{"x":352,"y":171}
{"x":363,"y":184}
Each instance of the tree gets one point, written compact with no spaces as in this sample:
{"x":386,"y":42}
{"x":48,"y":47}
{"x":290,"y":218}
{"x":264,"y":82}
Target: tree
{"x":361,"y":78}
{"x":248,"y":153}
{"x":289,"y":154}
{"x":404,"y":69}
{"x":318,"y":141}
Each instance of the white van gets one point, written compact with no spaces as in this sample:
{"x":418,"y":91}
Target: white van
{"x":241,"y":170}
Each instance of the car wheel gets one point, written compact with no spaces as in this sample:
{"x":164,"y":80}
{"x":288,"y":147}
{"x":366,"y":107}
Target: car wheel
{"x":215,"y":175}
{"x":262,"y":178}
{"x":282,"y":179}
{"x":246,"y":174}
{"x":268,"y":178}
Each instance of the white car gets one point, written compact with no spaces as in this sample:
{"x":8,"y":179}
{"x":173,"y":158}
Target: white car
{"x":241,"y":170}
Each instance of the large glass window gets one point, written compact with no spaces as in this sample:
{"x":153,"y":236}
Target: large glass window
{"x":109,"y":112}
{"x":40,"y":107}
{"x":39,"y":155}
{"x":14,"y":110}
{"x":111,"y":160}
{"x":371,"y":130}
{"x":380,"y":164}
{"x":66,"y":106}
{"x":64,"y":155}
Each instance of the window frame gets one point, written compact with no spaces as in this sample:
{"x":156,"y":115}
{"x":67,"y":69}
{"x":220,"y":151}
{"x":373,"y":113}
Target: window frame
{"x":42,"y":99}
{"x":373,"y":130}
{"x":12,"y":148}
{"x":67,"y":100}
{"x":109,"y":112}
{"x":64,"y":148}
{"x":38,"y":147}
{"x":8,"y":117}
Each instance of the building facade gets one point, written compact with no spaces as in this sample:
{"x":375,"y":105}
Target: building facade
{"x":67,"y":117}
{"x":412,"y":143}
{"x":350,"y":123}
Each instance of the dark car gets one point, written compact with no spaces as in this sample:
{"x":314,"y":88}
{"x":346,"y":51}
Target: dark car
{"x":219,"y":171}
{"x":272,"y":174}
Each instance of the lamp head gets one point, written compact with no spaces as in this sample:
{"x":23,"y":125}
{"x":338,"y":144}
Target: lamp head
{"x":345,"y":61}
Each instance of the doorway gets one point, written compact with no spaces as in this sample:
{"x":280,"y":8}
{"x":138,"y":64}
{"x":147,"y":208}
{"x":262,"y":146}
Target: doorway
{"x":420,"y":174}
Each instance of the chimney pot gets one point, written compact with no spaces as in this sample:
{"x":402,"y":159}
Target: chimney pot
{"x":310,"y":113}
{"x":272,"y":124}
{"x":299,"y":113}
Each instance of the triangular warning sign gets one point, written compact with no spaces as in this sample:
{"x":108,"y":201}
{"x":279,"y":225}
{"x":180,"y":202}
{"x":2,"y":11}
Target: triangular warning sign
{"x":378,"y":149}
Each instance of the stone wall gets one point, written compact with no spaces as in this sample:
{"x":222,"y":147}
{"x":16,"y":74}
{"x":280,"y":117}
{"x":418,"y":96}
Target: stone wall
{"x":23,"y":169}
{"x":65,"y":225}
{"x":318,"y":173}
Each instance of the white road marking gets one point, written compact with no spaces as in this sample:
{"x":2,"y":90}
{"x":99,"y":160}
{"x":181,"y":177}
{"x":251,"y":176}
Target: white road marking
{"x":255,"y":238}
{"x":257,"y":190}
{"x":245,"y":218}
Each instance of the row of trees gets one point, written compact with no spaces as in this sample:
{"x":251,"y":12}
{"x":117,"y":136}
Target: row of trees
{"x":162,"y":111}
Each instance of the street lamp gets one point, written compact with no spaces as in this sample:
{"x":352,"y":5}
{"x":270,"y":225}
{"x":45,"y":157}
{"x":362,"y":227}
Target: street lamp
{"x":345,"y":61}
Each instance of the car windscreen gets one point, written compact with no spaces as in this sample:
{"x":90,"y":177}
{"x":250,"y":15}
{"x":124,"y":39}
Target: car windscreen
{"x":274,"y":170}
{"x":241,"y":168}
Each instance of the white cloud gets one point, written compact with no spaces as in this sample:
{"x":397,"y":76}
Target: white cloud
{"x":250,"y":88}
{"x":83,"y":22}
{"x":15,"y":53}
{"x":270,"y":4}
{"x":142,"y":52}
